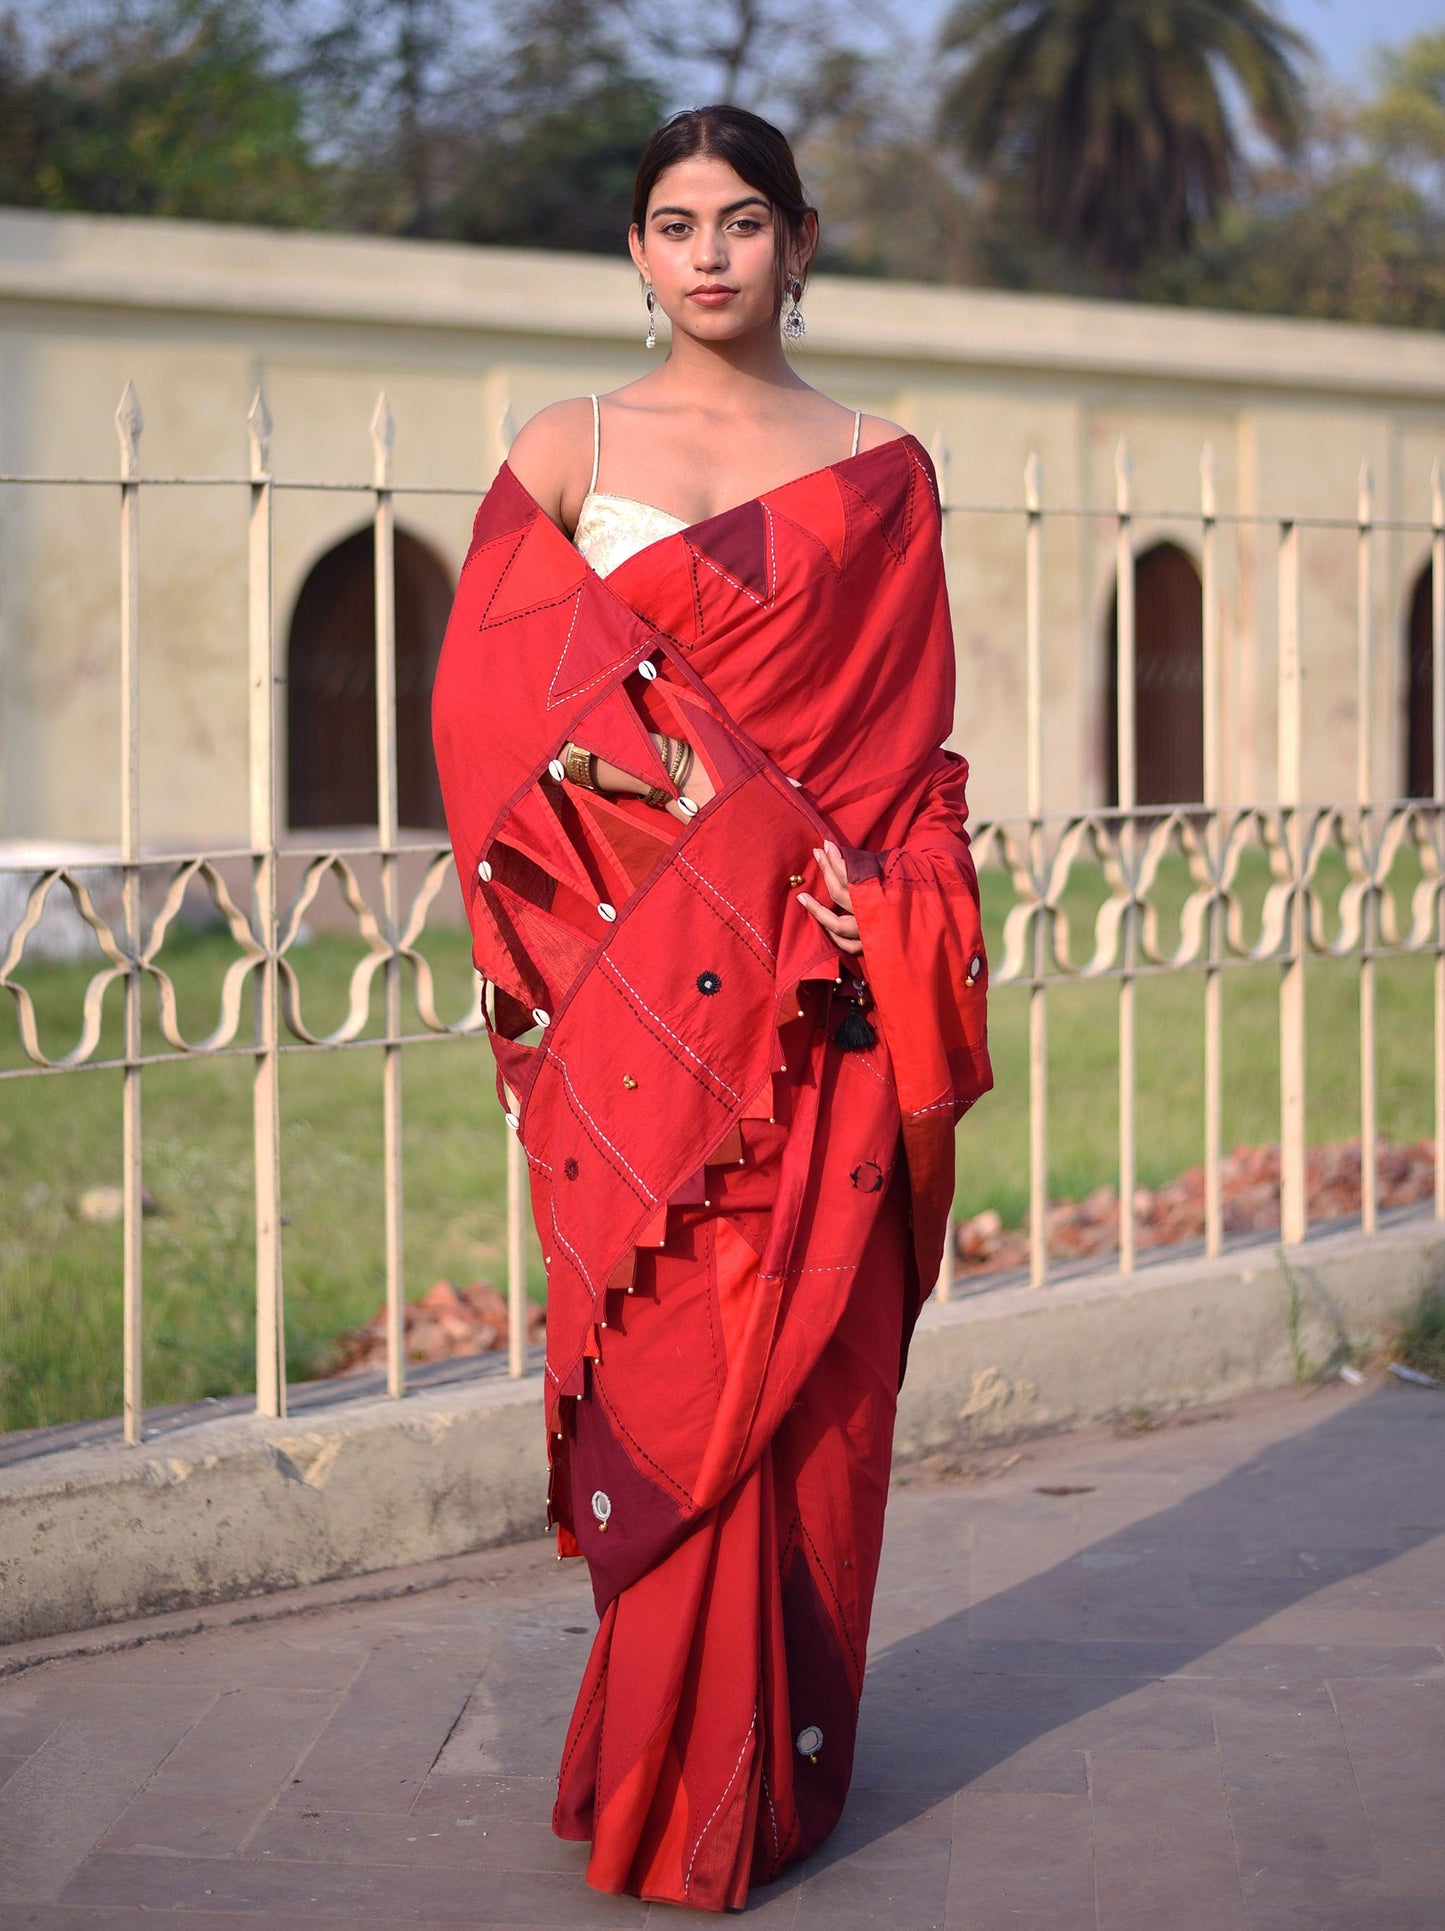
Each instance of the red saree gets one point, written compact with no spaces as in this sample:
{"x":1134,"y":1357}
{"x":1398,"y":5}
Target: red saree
{"x":740,"y":1216}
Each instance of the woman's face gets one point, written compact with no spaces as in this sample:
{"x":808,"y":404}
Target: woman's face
{"x":708,"y":247}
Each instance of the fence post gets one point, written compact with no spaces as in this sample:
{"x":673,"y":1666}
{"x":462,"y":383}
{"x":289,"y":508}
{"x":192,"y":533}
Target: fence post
{"x":1437,"y":787}
{"x":938,"y":452}
{"x":1364,"y":792}
{"x":383,"y":444}
{"x":266,"y":1063}
{"x":1214,"y":950}
{"x":1034,"y":804}
{"x":129,"y":423}
{"x":1124,"y":648}
{"x":1293,"y":1202}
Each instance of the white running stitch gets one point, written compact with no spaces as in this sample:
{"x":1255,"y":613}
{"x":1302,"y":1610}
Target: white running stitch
{"x":657,"y":1018}
{"x":864,"y":1064}
{"x":728,"y":577}
{"x":687,"y":1881}
{"x":772,"y":1814}
{"x":647,"y":1194}
{"x":577,"y":1260}
{"x":823,"y":1267}
{"x":703,"y":879}
{"x":918,"y":1111}
{"x":561,"y":655}
{"x":576,"y":690}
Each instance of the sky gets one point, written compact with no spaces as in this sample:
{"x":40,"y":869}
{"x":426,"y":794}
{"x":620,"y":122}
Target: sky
{"x":1345,"y":30}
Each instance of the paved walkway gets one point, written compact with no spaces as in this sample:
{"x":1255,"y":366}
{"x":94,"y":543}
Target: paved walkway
{"x":1181,"y":1680}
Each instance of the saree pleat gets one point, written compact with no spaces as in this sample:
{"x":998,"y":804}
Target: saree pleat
{"x":682,"y":1762}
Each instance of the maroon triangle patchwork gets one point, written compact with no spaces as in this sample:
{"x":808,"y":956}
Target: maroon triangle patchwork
{"x":594,"y":646}
{"x":506,"y":508}
{"x":519,"y":1065}
{"x":740,"y":544}
{"x":888,"y":496}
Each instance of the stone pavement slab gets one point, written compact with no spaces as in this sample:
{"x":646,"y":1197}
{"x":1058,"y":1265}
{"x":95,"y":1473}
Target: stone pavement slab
{"x":1186,"y":1678}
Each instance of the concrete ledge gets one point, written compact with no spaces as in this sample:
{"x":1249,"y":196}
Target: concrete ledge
{"x":237,"y":1507}
{"x":1026,"y":1360}
{"x":240,"y":1506}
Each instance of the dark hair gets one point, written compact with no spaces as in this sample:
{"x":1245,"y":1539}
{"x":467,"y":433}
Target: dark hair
{"x":753,"y":148}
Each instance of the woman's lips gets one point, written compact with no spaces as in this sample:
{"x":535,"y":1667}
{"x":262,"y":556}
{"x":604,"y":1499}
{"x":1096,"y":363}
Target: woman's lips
{"x":712,"y":297}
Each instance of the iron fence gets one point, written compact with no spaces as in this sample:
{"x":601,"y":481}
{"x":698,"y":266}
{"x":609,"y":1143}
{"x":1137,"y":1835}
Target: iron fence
{"x":1036,"y":852}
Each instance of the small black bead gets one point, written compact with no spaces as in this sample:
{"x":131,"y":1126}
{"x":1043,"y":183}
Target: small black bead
{"x":708,"y":982}
{"x":570,"y":1168}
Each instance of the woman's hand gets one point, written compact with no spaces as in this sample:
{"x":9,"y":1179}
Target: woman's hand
{"x":841,"y":927}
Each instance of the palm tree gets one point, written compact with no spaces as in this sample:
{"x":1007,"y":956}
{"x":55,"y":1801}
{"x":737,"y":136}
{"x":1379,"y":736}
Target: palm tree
{"x":1115,"y":115}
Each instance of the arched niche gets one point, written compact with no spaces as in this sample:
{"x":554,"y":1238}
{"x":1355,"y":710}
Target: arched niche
{"x":1420,"y":691}
{"x":331,"y":686}
{"x":1168,"y":681}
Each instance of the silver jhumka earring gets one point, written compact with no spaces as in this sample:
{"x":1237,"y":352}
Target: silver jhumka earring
{"x":794,"y":327}
{"x":651,"y":342}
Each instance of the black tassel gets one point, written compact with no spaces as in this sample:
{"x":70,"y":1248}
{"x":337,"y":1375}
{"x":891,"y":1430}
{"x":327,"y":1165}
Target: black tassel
{"x":854,"y":1031}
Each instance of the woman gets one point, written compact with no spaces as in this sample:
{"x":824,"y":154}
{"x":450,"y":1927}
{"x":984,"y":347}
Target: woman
{"x":689,"y":731}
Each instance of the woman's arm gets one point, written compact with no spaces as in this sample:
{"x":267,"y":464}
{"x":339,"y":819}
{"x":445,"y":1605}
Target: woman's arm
{"x":699,"y":787}
{"x":551,"y":458}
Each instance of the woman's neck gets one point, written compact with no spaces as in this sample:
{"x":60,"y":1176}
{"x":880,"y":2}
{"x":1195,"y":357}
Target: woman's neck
{"x":728,"y":377}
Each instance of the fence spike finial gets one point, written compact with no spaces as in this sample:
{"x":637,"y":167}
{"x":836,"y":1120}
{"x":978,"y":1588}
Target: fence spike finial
{"x":1208,"y":492}
{"x":1033,"y":483}
{"x":383,"y":441}
{"x":938,"y":455}
{"x":1123,"y":475}
{"x":1365,"y":501}
{"x":129,"y":422}
{"x":258,"y":429}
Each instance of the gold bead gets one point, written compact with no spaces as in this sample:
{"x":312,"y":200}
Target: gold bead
{"x":795,"y":878}
{"x":628,"y":1081}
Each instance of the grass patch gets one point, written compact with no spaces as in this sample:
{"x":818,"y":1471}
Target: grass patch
{"x":60,"y":1296}
{"x":1419,"y":1341}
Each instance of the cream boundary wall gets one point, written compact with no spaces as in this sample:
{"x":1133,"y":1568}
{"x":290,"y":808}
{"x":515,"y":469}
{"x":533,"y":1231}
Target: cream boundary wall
{"x":469,"y":342}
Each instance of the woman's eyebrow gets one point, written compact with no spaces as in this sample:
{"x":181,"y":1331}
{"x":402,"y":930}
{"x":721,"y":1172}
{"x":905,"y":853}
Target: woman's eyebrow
{"x":748,"y":201}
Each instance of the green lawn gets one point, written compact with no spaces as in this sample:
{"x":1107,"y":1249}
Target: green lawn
{"x":60,"y":1278}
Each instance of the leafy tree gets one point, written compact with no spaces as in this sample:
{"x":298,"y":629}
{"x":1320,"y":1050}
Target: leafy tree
{"x":1405,"y":122}
{"x":382,"y":79}
{"x":550,"y":164}
{"x":176,"y":107}
{"x":1347,"y":232}
{"x":1113,"y":115}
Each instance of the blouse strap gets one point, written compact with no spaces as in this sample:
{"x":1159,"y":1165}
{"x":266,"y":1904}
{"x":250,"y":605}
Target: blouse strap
{"x":857,"y":432}
{"x":596,"y":443}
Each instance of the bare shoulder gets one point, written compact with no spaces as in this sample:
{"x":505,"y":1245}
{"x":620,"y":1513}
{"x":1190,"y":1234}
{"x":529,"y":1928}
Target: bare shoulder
{"x":551,"y":454}
{"x":878,"y":429}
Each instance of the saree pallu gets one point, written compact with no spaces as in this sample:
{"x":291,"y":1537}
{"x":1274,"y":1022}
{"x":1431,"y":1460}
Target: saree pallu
{"x":740,"y":1216}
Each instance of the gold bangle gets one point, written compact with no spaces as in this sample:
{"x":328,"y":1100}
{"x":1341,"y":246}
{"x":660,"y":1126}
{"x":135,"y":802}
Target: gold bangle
{"x":657,"y":794}
{"x":579,"y":766}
